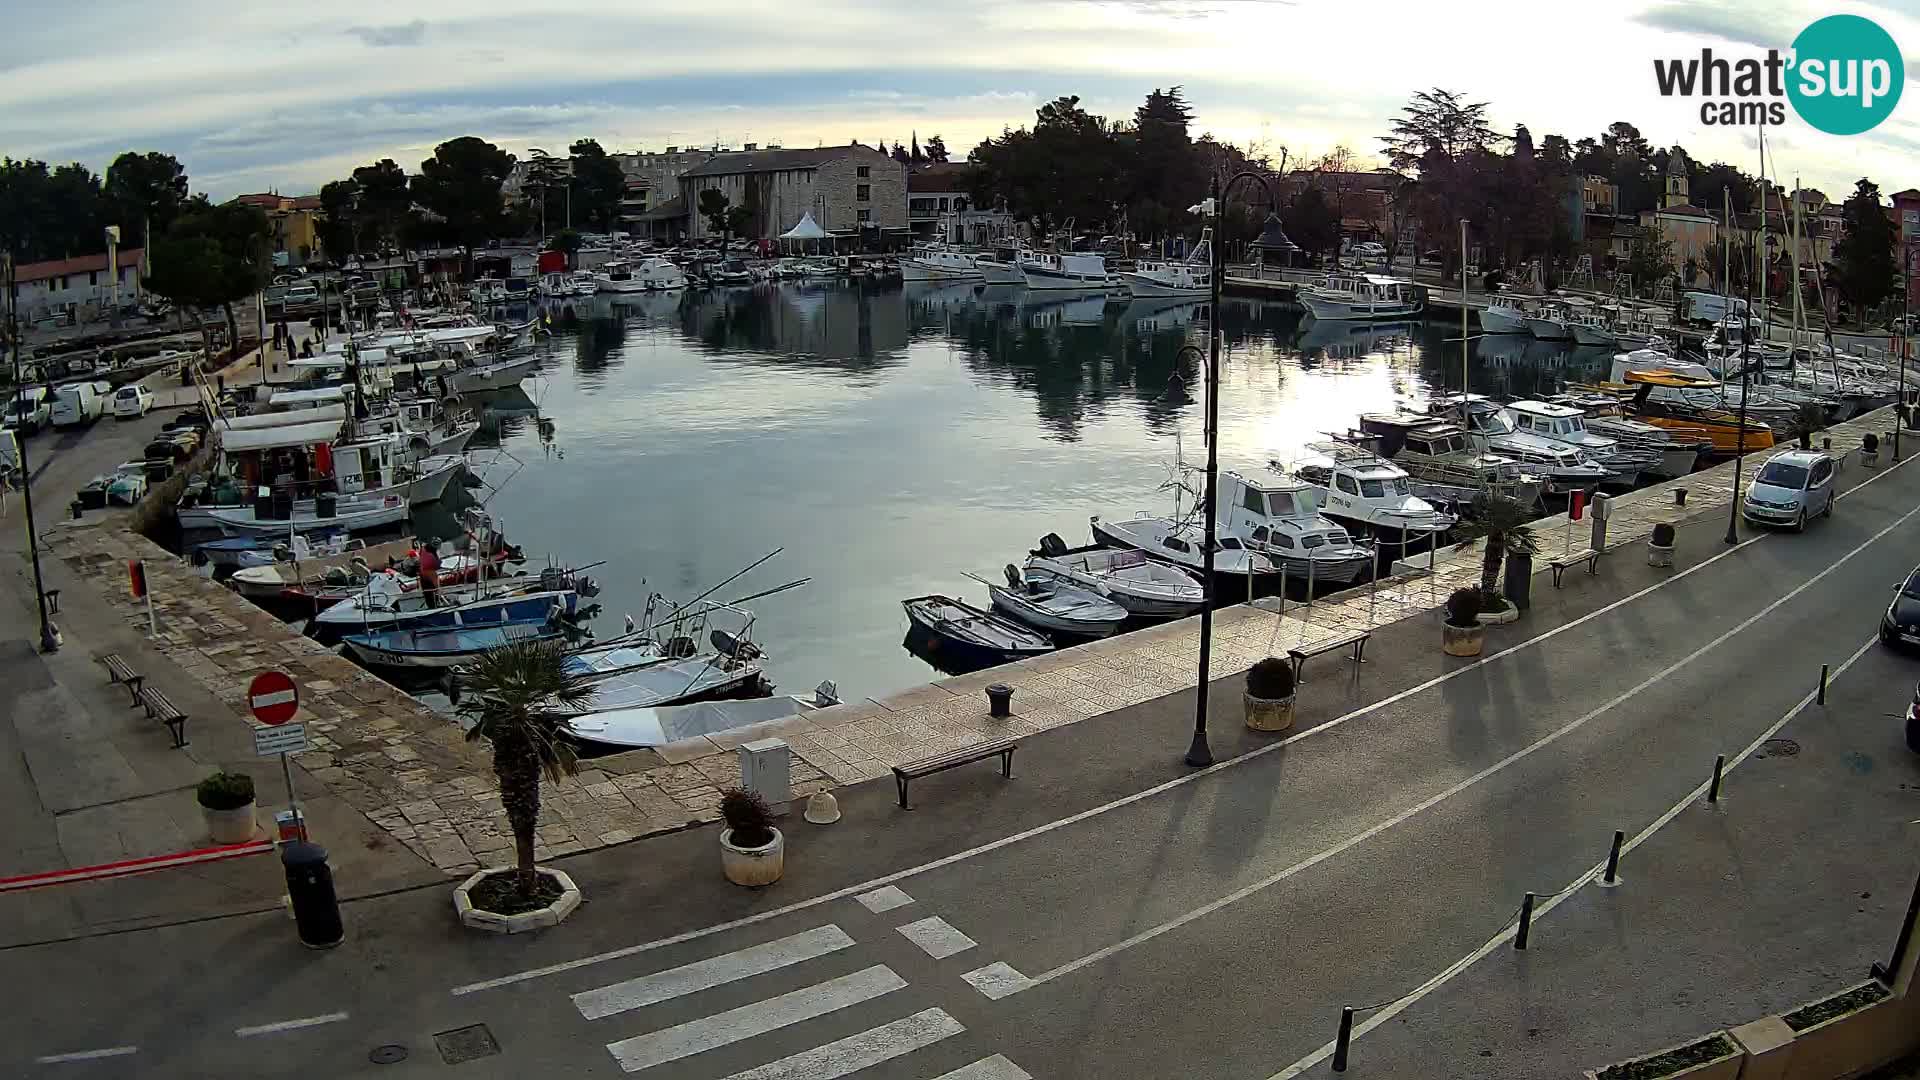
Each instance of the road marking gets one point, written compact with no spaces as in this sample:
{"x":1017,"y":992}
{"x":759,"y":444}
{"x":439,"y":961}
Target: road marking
{"x":721,"y":1029}
{"x":996,"y":1067}
{"x":884,"y":899}
{"x":1434,"y":800}
{"x":997,"y":980}
{"x":1125,"y":800}
{"x":855,"y":1052}
{"x":1446,"y":974}
{"x":87,"y":1055}
{"x":290,"y":1025}
{"x":936,"y":937}
{"x":707,"y":974}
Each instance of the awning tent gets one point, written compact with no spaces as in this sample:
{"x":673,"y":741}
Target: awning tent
{"x":335,"y":414}
{"x":806,"y":232}
{"x":274,"y":438}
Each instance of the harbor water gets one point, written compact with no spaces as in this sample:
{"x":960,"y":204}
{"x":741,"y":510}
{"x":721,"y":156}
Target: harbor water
{"x":890,"y":440}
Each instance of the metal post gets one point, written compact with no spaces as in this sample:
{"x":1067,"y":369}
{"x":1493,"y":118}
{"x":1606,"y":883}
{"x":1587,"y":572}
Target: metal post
{"x":1906,"y":304}
{"x":1343,"y":1040}
{"x":1613,"y":859}
{"x":146,"y":589}
{"x":1719,"y":766}
{"x":1890,"y":971}
{"x":1199,"y":754}
{"x":1823,"y":684}
{"x":1526,"y":923}
{"x":293,"y":804}
{"x":49,"y":634}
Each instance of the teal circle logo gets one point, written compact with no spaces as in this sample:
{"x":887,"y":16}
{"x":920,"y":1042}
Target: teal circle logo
{"x":1847,"y":74}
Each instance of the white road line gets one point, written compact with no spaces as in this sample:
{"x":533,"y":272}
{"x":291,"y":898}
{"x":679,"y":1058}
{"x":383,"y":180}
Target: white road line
{"x":936,"y":937}
{"x":1446,"y":974}
{"x":855,"y":1052}
{"x":1434,"y":800}
{"x":721,"y":1029}
{"x":996,"y":981}
{"x":1125,"y":800}
{"x":715,"y":971}
{"x":884,"y":899}
{"x":87,"y":1055}
{"x":993,"y":1068}
{"x":290,"y":1025}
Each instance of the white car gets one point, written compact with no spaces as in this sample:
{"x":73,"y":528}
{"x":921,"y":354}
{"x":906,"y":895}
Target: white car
{"x":132,"y":401}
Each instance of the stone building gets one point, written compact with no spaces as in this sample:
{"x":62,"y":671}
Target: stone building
{"x":849,"y":190}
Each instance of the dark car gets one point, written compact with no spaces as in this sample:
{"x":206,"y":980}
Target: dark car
{"x":1901,"y":624}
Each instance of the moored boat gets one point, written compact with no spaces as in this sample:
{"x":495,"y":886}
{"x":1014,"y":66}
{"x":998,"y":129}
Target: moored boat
{"x":1049,"y":604}
{"x":1126,"y":576}
{"x":964,"y":634}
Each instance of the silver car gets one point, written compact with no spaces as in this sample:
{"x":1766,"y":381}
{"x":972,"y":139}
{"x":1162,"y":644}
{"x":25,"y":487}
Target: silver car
{"x":1790,"y":488}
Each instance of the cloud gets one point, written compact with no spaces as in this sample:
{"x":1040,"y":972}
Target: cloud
{"x":1765,"y":28}
{"x":379,"y":37}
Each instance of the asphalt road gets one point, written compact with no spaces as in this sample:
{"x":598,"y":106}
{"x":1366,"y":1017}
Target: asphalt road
{"x":1164,"y":924}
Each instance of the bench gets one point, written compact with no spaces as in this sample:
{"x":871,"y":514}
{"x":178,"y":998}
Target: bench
{"x":1001,"y":748}
{"x":119,"y":672}
{"x":53,"y":601}
{"x":159,"y":708}
{"x":1357,"y":639}
{"x":1586,"y":555}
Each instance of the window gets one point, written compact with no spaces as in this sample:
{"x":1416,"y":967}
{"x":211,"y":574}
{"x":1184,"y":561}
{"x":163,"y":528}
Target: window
{"x":1345,"y":483}
{"x":1261,"y":535}
{"x":943,"y":204}
{"x":1310,"y":542}
{"x":63,"y":282}
{"x":1285,"y":541}
{"x":863,"y":171}
{"x":1227,"y":543}
{"x":1782,"y":474}
{"x":1373,"y":489}
{"x":865,"y":215}
{"x":863,"y":192}
{"x":93,"y":277}
{"x":1822,"y":470}
{"x":1174,"y":543}
{"x":1254,"y":501}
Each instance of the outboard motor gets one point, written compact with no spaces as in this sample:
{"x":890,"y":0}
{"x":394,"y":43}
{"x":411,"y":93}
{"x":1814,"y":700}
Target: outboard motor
{"x":1014,"y":580}
{"x":1052,"y":546}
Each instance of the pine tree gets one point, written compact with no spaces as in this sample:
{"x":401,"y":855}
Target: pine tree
{"x":917,"y":159}
{"x":1863,"y":266}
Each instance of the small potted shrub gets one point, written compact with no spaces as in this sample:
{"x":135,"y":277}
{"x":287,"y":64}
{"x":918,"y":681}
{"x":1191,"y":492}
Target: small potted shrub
{"x":226,"y":801}
{"x":1660,"y":545}
{"x":1269,"y":695}
{"x":752,"y":851}
{"x":1462,"y":634}
{"x":1869,"y":450}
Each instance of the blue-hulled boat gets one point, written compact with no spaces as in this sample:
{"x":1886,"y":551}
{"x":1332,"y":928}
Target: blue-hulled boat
{"x":409,"y":611}
{"x":446,"y":647}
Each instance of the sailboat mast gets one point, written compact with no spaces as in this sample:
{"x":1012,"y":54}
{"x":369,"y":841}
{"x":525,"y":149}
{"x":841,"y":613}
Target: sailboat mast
{"x":1463,"y":318}
{"x":1760,"y":241}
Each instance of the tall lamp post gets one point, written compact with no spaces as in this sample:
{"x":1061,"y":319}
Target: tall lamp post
{"x":1740,"y":433}
{"x":1199,"y":754}
{"x":1906,"y":336}
{"x":49,"y":634}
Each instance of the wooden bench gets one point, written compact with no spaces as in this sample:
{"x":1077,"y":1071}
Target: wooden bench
{"x":159,"y":708}
{"x":1586,"y":555}
{"x":119,"y":672}
{"x":1357,"y":639}
{"x":1001,"y":748}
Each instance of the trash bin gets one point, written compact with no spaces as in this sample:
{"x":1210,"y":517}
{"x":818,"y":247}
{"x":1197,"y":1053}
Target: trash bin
{"x":1518,"y":586}
{"x":326,"y":505}
{"x":310,"y":888}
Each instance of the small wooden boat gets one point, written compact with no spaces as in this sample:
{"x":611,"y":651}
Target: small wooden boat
{"x":965,"y":634}
{"x":383,"y":605}
{"x":672,"y":680}
{"x":1127,"y":577}
{"x":445,"y":647}
{"x":1047,"y":603}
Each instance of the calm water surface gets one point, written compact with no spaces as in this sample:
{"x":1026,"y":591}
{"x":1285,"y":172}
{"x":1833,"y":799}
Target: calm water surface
{"x":891,"y":440}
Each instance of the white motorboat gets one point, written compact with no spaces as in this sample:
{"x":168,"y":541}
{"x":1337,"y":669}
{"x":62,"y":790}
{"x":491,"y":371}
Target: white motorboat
{"x":938,"y":262}
{"x":1047,"y":603}
{"x":1491,"y":429}
{"x":657,"y":725}
{"x":1504,"y":314}
{"x":1282,"y":521}
{"x":495,"y":376}
{"x":1595,"y":325}
{"x":1066,"y":272}
{"x":1566,"y":425}
{"x":1678,"y":455}
{"x":1126,"y":576}
{"x":1552,"y":321}
{"x":353,"y":514}
{"x":1442,"y":464}
{"x":390,"y":600}
{"x":652,"y":274}
{"x":1179,"y":542}
{"x":1362,"y":296}
{"x":1368,"y":492}
{"x":1003,"y":266}
{"x":675,"y":679}
{"x":1192,"y":276}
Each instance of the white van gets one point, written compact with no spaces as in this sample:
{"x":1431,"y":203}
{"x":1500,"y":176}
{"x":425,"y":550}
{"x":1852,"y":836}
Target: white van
{"x":31,"y":409}
{"x":80,"y":403}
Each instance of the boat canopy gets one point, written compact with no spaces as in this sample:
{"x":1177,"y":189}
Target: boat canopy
{"x":294,"y":399}
{"x":275,"y":438}
{"x":333,"y":414}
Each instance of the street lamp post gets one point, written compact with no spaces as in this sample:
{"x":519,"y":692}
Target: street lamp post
{"x":49,"y":634}
{"x":1740,"y":433}
{"x":1906,"y":336}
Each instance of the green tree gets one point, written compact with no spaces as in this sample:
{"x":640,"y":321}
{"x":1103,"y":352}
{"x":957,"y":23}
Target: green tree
{"x":386,"y":199}
{"x":598,"y":184}
{"x":144,"y":192}
{"x":1649,"y":259}
{"x":739,"y":221}
{"x":1440,"y":120}
{"x":212,"y":258}
{"x":1864,"y":269}
{"x":461,"y":183}
{"x":50,"y":213}
{"x":1310,"y":222}
{"x":936,"y":150}
{"x":713,"y":207}
{"x":519,"y":697}
{"x":900,"y":154}
{"x":544,"y":175}
{"x":340,"y":219}
{"x":1500,"y":521}
{"x":567,"y":242}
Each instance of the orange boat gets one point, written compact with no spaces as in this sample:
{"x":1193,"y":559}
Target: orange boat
{"x":1717,"y":426}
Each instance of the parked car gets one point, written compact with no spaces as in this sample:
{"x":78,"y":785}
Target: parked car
{"x":1790,"y":488}
{"x":131,"y":401}
{"x":29,"y":411}
{"x":301,"y":294}
{"x":1900,"y":623}
{"x":78,"y":403}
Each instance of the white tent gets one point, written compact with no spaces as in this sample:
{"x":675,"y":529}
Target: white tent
{"x":808,"y":229}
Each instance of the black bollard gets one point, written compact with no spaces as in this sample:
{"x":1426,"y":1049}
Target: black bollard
{"x":1823,"y":684}
{"x":1679,"y":496}
{"x":1526,"y":923}
{"x":999,"y":701}
{"x":316,"y":911}
{"x":1613,"y":859}
{"x":1713,"y":792}
{"x":1342,"y":1040}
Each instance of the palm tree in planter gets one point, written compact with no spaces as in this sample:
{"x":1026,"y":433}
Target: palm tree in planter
{"x":1501,"y":522}
{"x":519,"y":698}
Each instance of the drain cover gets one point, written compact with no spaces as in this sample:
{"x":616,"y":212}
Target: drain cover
{"x":389,"y":1054}
{"x":1778,"y":748}
{"x":466,"y":1044}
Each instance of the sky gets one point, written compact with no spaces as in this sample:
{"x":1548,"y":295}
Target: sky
{"x":255,"y":97}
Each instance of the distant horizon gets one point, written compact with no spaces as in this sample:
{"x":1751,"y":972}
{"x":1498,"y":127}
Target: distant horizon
{"x":249,"y":105}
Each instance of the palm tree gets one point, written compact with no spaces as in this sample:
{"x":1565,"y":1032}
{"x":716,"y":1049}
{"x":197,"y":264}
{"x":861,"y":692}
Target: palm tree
{"x":1499,"y":519}
{"x":519,"y":697}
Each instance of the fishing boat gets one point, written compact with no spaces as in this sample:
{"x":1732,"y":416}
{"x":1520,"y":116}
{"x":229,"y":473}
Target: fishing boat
{"x":248,"y":552}
{"x":1362,"y":297}
{"x":658,"y":725}
{"x":1047,"y":603}
{"x":1179,"y":542}
{"x":1282,"y":521}
{"x":1192,"y":276}
{"x":385,"y":603}
{"x":1441,"y":463}
{"x":646,"y":275}
{"x":732,"y":668}
{"x":1567,"y":425}
{"x":963,"y":634}
{"x":1003,"y":266}
{"x":1368,"y":493}
{"x":1490,"y":429}
{"x":938,"y":262}
{"x":1126,"y":576}
{"x":1553,"y":320}
{"x":1504,"y":314}
{"x":445,"y":647}
{"x":498,"y":375}
{"x":1680,"y":451}
{"x":1719,"y":426}
{"x":352,"y":513}
{"x":1066,"y":272}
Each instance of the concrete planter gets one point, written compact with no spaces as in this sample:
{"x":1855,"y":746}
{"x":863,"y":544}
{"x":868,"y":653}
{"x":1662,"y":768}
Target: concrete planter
{"x":756,"y":866}
{"x":538,"y":919}
{"x":1462,"y":640}
{"x":1726,"y":1066}
{"x":1268,"y":714}
{"x":235,"y":826}
{"x":1855,"y":1042}
{"x":1659,"y":556}
{"x":1505,"y":615}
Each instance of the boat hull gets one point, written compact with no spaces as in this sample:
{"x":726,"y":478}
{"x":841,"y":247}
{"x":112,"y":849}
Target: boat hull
{"x":1329,"y":309}
{"x":1041,"y":279}
{"x":384,"y":650}
{"x":1549,"y":330}
{"x":1142,"y":285}
{"x":1052,"y":622}
{"x":999,"y":273}
{"x":492,"y":377}
{"x":1499,"y":322}
{"x":1594,"y":335}
{"x":240,"y":521}
{"x":914,"y":270}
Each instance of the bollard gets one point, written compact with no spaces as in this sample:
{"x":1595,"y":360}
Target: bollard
{"x":1826,"y":444}
{"x":1713,"y":790}
{"x":999,"y":701}
{"x":1613,"y":859}
{"x":1679,"y":496}
{"x":1526,"y":923}
{"x":1823,"y":685}
{"x":316,"y":911}
{"x":1342,"y":1040}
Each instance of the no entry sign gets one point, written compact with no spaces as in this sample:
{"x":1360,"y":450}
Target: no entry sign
{"x":273,"y":697}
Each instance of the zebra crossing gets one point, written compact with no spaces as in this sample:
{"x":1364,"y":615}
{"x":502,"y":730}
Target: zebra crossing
{"x":663,"y":1050}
